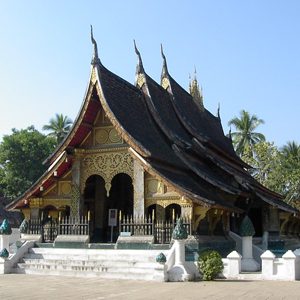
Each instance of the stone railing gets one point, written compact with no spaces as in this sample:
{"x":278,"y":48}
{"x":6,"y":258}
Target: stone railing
{"x":6,"y":264}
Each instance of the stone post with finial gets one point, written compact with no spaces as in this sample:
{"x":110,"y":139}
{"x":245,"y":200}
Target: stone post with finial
{"x":179,"y":271}
{"x":5,"y":232}
{"x":248,"y":263}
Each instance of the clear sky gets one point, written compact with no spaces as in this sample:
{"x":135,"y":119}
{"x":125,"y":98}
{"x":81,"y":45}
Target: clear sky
{"x":247,"y":55}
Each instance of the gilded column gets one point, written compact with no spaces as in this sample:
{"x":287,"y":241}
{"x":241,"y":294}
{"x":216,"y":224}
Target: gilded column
{"x":34,"y":213}
{"x":274,"y":225}
{"x":75,"y":197}
{"x":138,"y":185}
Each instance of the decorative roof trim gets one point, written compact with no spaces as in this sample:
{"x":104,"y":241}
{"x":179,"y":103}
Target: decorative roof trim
{"x":139,"y":67}
{"x":95,"y":59}
{"x":164,"y":78}
{"x":38,"y":183}
{"x":121,"y":131}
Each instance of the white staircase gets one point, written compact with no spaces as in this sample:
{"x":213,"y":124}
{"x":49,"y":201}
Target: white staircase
{"x":114,"y":264}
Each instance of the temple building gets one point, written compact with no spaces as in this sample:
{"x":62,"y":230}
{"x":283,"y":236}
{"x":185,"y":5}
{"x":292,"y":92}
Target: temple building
{"x":150,"y":152}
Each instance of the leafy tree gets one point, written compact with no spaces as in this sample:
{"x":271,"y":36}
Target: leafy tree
{"x":58,"y":127}
{"x":290,"y":168}
{"x":266,"y":163}
{"x":278,"y":170}
{"x":245,"y":135}
{"x":21,"y":157}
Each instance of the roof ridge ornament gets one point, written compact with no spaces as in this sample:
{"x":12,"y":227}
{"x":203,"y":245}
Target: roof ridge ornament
{"x":218,"y":111}
{"x":164,"y":78}
{"x":229,"y":133}
{"x":139,"y":67}
{"x":164,"y":72}
{"x":95,"y":59}
{"x":195,"y":91}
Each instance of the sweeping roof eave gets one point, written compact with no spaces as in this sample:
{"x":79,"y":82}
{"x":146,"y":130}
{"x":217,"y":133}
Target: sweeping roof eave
{"x":277,"y":203}
{"x":45,"y":180}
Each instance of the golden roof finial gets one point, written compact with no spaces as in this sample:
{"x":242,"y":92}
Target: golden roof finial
{"x":95,"y":59}
{"x":218,"y":111}
{"x":165,"y":66}
{"x":195,"y":91}
{"x":139,"y":67}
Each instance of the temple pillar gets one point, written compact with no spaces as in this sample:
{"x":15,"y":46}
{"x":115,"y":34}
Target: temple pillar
{"x":160,"y":213}
{"x":138,"y":186}
{"x":273,"y":224}
{"x":76,"y":196}
{"x":34,"y":213}
{"x":226,"y":222}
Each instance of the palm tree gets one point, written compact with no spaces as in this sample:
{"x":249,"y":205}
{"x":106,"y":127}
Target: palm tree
{"x":290,"y":168}
{"x":291,"y":149}
{"x":245,"y":136}
{"x":59,"y":127}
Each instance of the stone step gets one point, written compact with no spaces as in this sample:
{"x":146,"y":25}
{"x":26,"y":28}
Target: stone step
{"x":137,"y":255}
{"x":101,"y":257}
{"x":92,"y":251}
{"x":92,"y":263}
{"x":80,"y":273}
{"x":95,"y":268}
{"x":250,"y":276}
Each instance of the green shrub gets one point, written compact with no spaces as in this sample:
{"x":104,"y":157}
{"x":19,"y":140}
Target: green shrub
{"x":210,"y":264}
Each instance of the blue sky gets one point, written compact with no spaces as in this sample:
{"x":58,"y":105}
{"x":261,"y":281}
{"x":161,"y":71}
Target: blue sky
{"x":247,"y":55}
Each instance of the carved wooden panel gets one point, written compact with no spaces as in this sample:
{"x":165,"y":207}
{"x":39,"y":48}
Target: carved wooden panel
{"x":106,"y":165}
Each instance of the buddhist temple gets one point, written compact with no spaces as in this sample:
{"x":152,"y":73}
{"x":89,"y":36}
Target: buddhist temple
{"x":148,"y":153}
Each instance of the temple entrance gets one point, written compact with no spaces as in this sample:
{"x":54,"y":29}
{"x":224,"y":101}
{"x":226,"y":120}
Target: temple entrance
{"x":255,"y":216}
{"x":95,"y":203}
{"x":121,"y":199}
{"x":98,"y":205}
{"x":121,"y":194}
{"x":172,"y":212}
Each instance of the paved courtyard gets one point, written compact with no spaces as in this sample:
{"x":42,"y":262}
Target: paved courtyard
{"x":52,"y":287}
